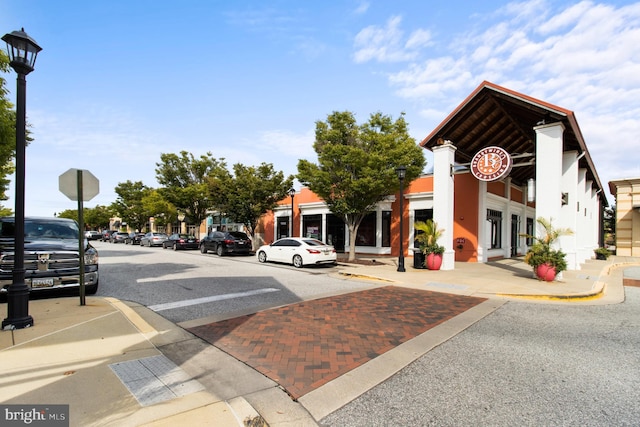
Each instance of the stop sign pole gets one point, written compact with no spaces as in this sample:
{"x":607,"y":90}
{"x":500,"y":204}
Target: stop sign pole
{"x":79,"y":192}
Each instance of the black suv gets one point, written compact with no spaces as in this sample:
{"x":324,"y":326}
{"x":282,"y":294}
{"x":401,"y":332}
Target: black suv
{"x":226,"y":242}
{"x":51,"y":256}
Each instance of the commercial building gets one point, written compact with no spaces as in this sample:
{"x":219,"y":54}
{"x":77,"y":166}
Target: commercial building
{"x":501,"y":159}
{"x":627,"y":194}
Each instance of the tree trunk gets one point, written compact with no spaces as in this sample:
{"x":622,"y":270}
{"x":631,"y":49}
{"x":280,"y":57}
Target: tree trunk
{"x":353,"y":230}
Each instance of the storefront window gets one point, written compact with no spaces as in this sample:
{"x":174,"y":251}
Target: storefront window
{"x":421,"y":215}
{"x":494,"y":218}
{"x":530,"y":231}
{"x":312,"y":226}
{"x":367,"y":231}
{"x":386,"y":229}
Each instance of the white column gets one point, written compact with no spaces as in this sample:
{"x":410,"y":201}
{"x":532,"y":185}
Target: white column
{"x":443,"y":159}
{"x":584,"y":231}
{"x":568,"y":217}
{"x":549,"y":171}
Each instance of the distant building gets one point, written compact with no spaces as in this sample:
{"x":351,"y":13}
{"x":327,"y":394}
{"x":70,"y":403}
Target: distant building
{"x":627,"y":194}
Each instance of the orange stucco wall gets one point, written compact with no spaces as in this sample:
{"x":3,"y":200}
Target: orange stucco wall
{"x":465,"y":222}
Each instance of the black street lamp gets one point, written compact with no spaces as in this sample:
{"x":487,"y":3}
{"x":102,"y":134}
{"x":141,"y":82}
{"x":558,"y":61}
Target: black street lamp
{"x":22,"y":51}
{"x":292,"y":193}
{"x":401,"y":171}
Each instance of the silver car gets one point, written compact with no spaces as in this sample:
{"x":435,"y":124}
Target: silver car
{"x":153,"y":239}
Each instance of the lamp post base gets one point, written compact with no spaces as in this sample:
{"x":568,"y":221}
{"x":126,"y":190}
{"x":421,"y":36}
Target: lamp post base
{"x":401,"y":265}
{"x":17,"y":308}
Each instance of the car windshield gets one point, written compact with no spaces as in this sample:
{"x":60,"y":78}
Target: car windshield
{"x":36,"y":229}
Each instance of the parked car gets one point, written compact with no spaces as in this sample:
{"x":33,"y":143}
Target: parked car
{"x":226,"y":242}
{"x":51,"y":256}
{"x":118,"y":237}
{"x":93,"y":235}
{"x":106,"y":235}
{"x":133,"y":238}
{"x":298,"y":251}
{"x":181,"y":241}
{"x":153,"y":239}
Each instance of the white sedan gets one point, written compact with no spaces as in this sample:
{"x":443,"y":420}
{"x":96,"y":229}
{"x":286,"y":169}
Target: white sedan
{"x":298,"y":251}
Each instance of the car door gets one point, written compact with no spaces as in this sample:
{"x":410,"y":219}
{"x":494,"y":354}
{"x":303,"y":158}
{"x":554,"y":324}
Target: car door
{"x":278,"y":250}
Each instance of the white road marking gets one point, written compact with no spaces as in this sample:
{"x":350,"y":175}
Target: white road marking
{"x":186,"y":303}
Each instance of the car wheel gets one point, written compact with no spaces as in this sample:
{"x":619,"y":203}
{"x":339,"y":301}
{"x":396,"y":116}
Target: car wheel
{"x":175,"y":246}
{"x":297,"y":261}
{"x":203,"y":250}
{"x":220,"y":250}
{"x":262,"y":256}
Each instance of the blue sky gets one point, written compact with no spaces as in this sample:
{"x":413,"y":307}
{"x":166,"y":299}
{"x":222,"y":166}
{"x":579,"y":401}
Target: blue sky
{"x":119,"y":82}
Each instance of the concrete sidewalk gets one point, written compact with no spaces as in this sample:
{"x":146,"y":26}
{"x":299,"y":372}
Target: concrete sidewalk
{"x":118,"y":363}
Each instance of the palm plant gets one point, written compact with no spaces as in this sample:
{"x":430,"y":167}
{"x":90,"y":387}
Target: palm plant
{"x":428,"y":239}
{"x":542,"y":252}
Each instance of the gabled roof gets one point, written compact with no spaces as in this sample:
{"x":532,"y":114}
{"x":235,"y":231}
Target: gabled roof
{"x":496,"y":116}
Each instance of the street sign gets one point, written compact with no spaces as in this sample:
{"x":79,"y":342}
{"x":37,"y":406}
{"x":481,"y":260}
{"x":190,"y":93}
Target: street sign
{"x":68,"y":184}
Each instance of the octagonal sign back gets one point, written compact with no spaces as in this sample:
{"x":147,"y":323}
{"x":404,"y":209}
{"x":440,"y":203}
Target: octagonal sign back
{"x":68,"y":184}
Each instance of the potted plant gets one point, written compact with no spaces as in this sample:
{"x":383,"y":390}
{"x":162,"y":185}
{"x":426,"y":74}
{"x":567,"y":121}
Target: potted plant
{"x":546,"y":261}
{"x":428,"y":243}
{"x":602,"y":253}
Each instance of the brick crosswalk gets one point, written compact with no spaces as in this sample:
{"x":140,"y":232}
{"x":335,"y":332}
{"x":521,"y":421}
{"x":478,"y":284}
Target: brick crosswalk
{"x":305,"y":345}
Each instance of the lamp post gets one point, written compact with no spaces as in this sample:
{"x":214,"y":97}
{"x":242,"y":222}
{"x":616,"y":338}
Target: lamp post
{"x":401,"y":171}
{"x":181,"y":217}
{"x":292,"y":193}
{"x":22,"y":51}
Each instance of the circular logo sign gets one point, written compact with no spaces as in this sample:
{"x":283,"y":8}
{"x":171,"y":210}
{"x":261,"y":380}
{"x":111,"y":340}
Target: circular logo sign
{"x":491,"y":164}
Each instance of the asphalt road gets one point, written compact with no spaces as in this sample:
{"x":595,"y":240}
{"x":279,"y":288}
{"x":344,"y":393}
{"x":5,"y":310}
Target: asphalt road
{"x":187,"y":285}
{"x":523,"y":365}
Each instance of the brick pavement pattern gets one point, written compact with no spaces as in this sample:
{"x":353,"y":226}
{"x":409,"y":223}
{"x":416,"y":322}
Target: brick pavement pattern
{"x":305,"y":345}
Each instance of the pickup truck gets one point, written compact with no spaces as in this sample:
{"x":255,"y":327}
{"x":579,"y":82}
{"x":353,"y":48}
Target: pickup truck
{"x":51,"y":255}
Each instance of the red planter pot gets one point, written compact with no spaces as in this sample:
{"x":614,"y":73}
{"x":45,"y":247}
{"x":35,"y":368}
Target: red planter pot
{"x":546,"y":272}
{"x":434,"y":261}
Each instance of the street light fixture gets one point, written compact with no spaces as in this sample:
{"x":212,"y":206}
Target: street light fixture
{"x":402,"y":172}
{"x":181,"y":218}
{"x":292,"y":193}
{"x":22,"y":51}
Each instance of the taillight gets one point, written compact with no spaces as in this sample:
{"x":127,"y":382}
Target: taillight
{"x":313,"y":251}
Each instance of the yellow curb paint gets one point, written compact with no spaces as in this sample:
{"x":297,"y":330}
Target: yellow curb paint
{"x":133,"y":317}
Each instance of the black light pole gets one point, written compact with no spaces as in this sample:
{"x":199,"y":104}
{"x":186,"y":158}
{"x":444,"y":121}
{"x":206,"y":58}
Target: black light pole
{"x":402,"y":171}
{"x":292,"y":193}
{"x":22,"y":51}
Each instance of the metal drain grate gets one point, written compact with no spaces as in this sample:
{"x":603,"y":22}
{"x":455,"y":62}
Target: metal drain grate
{"x":155,"y":379}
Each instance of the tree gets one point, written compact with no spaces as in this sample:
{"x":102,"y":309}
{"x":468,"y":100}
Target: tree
{"x":249,"y":193}
{"x":7,"y":131}
{"x":94,"y":218}
{"x":185,"y":181}
{"x":163,"y":212}
{"x":129,"y":203}
{"x":98,"y":217}
{"x":357,"y":165}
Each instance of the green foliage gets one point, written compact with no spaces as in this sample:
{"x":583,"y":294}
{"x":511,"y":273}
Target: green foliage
{"x":249,"y":192}
{"x":158,"y":207}
{"x":94,"y":218}
{"x":602,"y":253}
{"x":428,"y":238}
{"x":129,"y":205}
{"x":542,"y":251}
{"x":185,"y":180}
{"x":357,"y":165}
{"x":7,"y":130}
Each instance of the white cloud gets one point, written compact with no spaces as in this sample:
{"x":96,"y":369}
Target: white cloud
{"x":585,"y":58}
{"x":385,"y":44}
{"x":362,"y":8}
